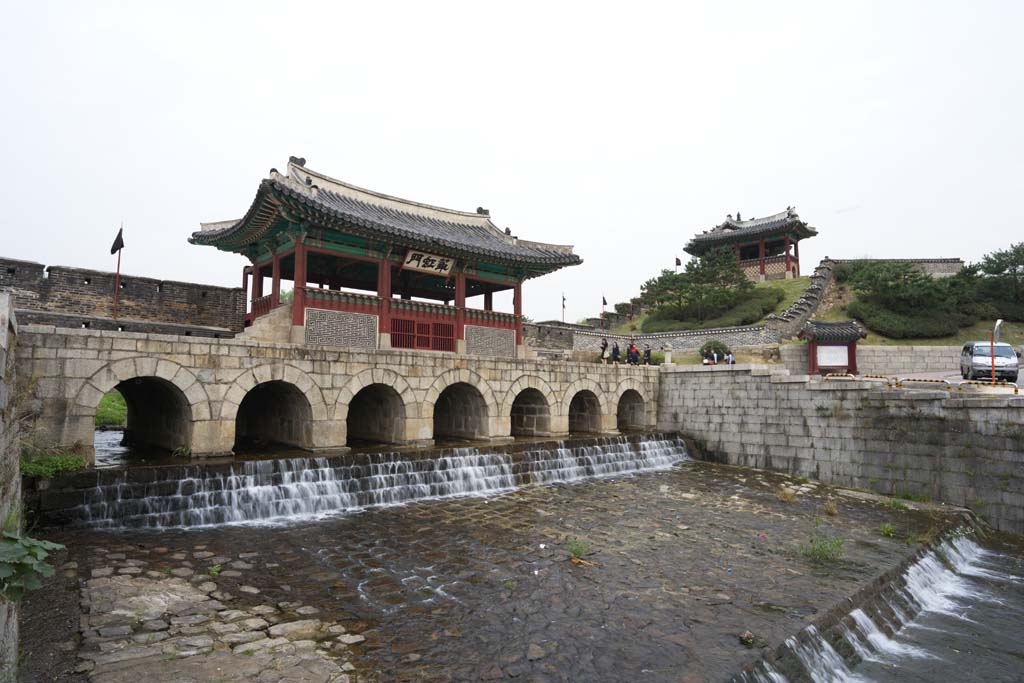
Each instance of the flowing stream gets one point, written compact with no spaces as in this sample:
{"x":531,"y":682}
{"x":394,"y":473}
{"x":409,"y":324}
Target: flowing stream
{"x":955,"y":615}
{"x":295,"y":488}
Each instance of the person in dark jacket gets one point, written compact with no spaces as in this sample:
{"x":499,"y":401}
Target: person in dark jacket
{"x":604,"y":350}
{"x":647,"y":354}
{"x":615,"y":353}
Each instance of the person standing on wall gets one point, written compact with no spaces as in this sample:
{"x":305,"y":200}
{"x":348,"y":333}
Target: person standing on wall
{"x":615,"y":353}
{"x":604,"y":351}
{"x":647,"y":354}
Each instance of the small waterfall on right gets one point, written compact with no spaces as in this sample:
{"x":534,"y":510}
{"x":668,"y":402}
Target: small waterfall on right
{"x":925,"y":627}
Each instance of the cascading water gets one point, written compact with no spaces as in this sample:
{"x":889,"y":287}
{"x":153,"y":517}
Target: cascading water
{"x":276,"y":490}
{"x":940,"y":605}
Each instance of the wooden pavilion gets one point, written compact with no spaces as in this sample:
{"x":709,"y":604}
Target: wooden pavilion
{"x":376,"y":271}
{"x":767,"y":248}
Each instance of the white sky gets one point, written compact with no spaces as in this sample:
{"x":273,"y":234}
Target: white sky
{"x":895,"y":128}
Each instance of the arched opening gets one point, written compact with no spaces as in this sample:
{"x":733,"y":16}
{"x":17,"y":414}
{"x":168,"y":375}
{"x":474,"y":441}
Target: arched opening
{"x":376,"y":415}
{"x":585,"y":413}
{"x":460,"y":413}
{"x":630,"y":414}
{"x":273,"y":414}
{"x":530,"y":414}
{"x":142,"y":414}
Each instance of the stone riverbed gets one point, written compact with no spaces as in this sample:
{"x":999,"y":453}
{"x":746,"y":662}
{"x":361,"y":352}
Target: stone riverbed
{"x":677,"y":565}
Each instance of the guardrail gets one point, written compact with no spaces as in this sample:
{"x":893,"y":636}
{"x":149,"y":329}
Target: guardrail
{"x":921,"y":380}
{"x":1002,"y":384}
{"x":845,"y":376}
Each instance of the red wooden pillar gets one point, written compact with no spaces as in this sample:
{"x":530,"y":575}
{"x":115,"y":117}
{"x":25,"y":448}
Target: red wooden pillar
{"x":851,"y":354}
{"x":518,"y":309}
{"x":384,"y":292}
{"x":460,"y":304}
{"x":812,"y":358}
{"x":761,"y":255}
{"x":275,"y":280}
{"x":257,"y":282}
{"x":788,"y":274}
{"x":299,"y":293}
{"x":245,"y":289}
{"x":796,"y":256}
{"x":488,"y":301}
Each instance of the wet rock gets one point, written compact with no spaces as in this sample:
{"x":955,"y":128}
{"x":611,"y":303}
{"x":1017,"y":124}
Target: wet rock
{"x":222,"y":629}
{"x":296,"y":630}
{"x":129,"y":570}
{"x":102,"y":571}
{"x":243,"y":637}
{"x":253,"y":624}
{"x":202,"y":555}
{"x":150,"y":638}
{"x":207,"y":586}
{"x":350,"y":638}
{"x":114,"y":631}
{"x":535,"y":652}
{"x":307,"y":610}
{"x":182,"y":571}
{"x":230,"y":615}
{"x":190,"y":620}
{"x":263,"y":609}
{"x":241,"y":565}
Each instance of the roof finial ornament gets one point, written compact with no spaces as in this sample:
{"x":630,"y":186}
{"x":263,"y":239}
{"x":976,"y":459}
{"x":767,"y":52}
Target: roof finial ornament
{"x":729,"y":216}
{"x":298,"y":161}
{"x":482,"y":211}
{"x":738,"y":219}
{"x":508,"y":231}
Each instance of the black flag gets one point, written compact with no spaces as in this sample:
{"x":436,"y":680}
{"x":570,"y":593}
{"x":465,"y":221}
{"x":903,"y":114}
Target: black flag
{"x":118,"y":244}
{"x":604,"y":302}
{"x":678,"y":262}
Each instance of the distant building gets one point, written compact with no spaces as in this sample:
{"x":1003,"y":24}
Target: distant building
{"x":768,"y":248}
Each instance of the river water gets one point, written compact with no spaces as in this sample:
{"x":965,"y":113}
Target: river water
{"x":958,"y":616}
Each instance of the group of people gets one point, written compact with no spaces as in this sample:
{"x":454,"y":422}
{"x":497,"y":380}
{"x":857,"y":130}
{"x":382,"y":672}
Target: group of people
{"x":633,"y":356}
{"x":711,"y":357}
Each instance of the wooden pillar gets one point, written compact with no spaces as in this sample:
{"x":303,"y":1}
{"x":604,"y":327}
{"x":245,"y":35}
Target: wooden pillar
{"x":851,"y":353}
{"x":796,"y":256}
{"x":488,"y":301}
{"x":299,"y":292}
{"x":812,"y":358}
{"x":761,"y":256}
{"x":275,"y":280}
{"x":788,"y":274}
{"x":245,"y":289}
{"x":518,"y":309}
{"x":257,"y":282}
{"x":460,"y":304}
{"x":384,"y":292}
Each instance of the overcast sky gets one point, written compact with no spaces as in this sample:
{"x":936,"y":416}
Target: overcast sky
{"x":895,"y":128}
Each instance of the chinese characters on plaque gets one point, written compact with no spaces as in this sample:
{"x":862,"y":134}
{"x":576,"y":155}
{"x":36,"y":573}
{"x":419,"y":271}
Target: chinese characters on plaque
{"x":428,"y":263}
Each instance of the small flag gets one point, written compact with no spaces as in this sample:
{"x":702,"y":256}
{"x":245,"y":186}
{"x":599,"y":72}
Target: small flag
{"x":678,"y":262}
{"x":604,"y":302}
{"x":563,"y":300}
{"x":118,"y":244}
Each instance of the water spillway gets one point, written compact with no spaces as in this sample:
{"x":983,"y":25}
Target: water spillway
{"x":296,"y":488}
{"x":954,"y":614}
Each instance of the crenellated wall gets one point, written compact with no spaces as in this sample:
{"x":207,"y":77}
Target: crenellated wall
{"x":964,"y":449}
{"x":71,"y":297}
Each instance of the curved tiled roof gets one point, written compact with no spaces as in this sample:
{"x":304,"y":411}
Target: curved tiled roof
{"x":334,"y":204}
{"x":732,"y":231}
{"x":845,"y":331}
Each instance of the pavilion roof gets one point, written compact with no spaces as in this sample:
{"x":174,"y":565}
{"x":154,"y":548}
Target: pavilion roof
{"x":306,"y":195}
{"x":843,"y":331}
{"x":738,"y":231}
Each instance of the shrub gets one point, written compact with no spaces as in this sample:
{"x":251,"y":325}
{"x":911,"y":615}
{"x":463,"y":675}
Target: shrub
{"x":22,"y":565}
{"x":577,"y":548}
{"x":786,"y":495}
{"x":112,"y":410}
{"x":830,"y":507}
{"x":822,"y":548}
{"x":887,"y":530}
{"x":751,"y":307}
{"x":48,"y":466}
{"x":714,"y":345}
{"x":902,"y":326}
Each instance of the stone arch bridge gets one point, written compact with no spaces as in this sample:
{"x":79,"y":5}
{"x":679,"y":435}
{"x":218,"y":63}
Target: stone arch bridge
{"x":215,"y":396}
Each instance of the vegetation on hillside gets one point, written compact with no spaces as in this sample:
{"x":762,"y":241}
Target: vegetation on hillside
{"x":112,"y":410}
{"x":898,"y":302}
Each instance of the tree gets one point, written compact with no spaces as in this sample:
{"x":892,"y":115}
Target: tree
{"x":708,"y":286}
{"x":1007,"y":267}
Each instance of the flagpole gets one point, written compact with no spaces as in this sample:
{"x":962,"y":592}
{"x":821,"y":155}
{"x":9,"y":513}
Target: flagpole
{"x":117,"y":282}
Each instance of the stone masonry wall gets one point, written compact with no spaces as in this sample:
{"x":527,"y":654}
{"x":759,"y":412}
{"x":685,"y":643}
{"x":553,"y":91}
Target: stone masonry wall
{"x":885,"y":360}
{"x":10,"y":475}
{"x":960,"y":450}
{"x":78,"y":292}
{"x":565,"y":338}
{"x":73,"y":368}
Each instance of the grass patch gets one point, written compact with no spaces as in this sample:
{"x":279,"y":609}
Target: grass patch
{"x":887,"y":530}
{"x":786,"y":495}
{"x":577,"y":548}
{"x":830,"y":508}
{"x":215,"y":570}
{"x":822,"y":548}
{"x":914,"y":497}
{"x":112,"y":410}
{"x":47,"y":466}
{"x":757,"y":304}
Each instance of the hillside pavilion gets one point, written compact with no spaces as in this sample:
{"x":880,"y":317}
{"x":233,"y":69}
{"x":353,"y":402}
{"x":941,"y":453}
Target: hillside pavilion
{"x":376,"y":271}
{"x":768,"y":248}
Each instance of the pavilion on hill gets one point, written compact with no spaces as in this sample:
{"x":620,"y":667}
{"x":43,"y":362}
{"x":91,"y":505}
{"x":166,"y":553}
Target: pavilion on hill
{"x":768,"y":248}
{"x":374,"y":271}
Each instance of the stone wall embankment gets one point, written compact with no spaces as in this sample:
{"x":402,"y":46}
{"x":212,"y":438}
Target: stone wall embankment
{"x":900,"y":361}
{"x":10,"y":474}
{"x":961,"y":450}
{"x":63,"y":296}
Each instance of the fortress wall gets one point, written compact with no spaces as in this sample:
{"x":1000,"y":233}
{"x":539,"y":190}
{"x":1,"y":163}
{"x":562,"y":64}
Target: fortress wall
{"x":961,"y":450}
{"x":885,"y":360}
{"x":63,"y":296}
{"x":10,"y":474}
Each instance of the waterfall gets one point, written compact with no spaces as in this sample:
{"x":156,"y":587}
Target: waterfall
{"x":943,"y":581}
{"x":287,"y":489}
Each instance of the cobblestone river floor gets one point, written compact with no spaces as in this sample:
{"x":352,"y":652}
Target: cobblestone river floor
{"x":676,"y":566}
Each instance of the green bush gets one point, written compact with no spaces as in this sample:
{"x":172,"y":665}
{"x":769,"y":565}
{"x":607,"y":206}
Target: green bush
{"x":752,"y":307}
{"x":902,"y":326}
{"x":22,"y":564}
{"x":822,"y":548}
{"x":714,"y":345}
{"x":112,"y":410}
{"x":48,"y":466}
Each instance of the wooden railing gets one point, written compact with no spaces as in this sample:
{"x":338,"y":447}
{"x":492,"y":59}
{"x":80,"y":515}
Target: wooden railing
{"x":263,"y":305}
{"x":333,"y":300}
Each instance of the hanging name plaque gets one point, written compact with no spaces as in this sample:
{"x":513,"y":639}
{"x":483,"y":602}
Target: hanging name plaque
{"x":428,"y":263}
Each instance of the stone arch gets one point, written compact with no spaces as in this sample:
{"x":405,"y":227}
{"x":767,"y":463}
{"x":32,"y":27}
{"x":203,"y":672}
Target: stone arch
{"x":530,"y":413}
{"x":269,"y":372}
{"x":454,"y":376}
{"x":376,"y":414}
{"x":585,"y":413}
{"x":578,"y":386}
{"x":360,"y":381}
{"x":633,"y":405}
{"x":460,"y":412}
{"x":276,"y":412}
{"x":164,"y":400}
{"x":529,"y":382}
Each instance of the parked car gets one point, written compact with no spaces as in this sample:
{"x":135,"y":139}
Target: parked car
{"x":976,"y":361}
